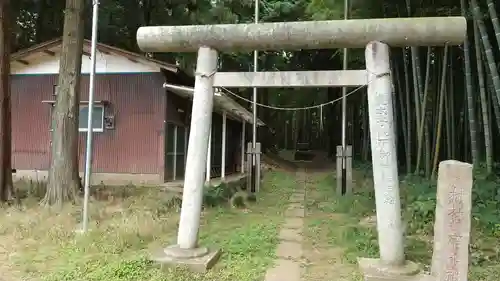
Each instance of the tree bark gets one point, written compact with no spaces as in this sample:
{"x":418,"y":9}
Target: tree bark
{"x":469,"y":93}
{"x":484,"y":104}
{"x":63,"y":179}
{"x":6,"y":186}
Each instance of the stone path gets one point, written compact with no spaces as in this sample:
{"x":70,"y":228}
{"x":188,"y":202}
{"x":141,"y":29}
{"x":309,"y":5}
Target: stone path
{"x":288,"y":266}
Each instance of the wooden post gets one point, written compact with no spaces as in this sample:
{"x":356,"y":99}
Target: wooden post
{"x":347,"y":157}
{"x":174,"y":176}
{"x":257,"y":175}
{"x":339,"y":169}
{"x":243,"y":147}
{"x":348,"y":172}
{"x":223,"y":154}
{"x":249,"y":165}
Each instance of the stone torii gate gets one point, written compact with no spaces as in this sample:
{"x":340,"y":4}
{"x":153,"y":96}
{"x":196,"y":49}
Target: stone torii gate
{"x":376,"y":35}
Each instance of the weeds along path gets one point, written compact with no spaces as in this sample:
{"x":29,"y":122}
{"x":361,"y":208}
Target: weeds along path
{"x":289,"y":253}
{"x":325,"y":231}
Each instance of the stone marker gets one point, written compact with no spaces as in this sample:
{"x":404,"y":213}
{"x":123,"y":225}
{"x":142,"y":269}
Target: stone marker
{"x":452,"y":227}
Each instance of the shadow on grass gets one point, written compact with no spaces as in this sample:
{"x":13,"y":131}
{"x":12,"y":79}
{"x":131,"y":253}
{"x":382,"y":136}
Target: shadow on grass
{"x":43,"y":246}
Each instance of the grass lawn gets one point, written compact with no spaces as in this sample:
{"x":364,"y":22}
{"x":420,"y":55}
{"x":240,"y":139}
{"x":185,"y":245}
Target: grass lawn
{"x":342,"y":229}
{"x":40,"y":244}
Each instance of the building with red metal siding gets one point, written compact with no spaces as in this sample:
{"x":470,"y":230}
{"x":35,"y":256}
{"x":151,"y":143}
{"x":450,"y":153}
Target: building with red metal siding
{"x":140,"y":127}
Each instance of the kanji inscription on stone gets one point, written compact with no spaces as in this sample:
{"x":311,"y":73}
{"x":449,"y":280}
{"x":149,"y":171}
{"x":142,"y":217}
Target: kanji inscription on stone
{"x":452,"y":227}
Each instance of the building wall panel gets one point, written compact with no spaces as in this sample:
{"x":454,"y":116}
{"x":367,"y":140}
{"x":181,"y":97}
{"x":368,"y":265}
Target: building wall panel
{"x":136,"y":100}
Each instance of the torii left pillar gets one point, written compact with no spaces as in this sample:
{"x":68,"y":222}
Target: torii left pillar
{"x":187,"y":252}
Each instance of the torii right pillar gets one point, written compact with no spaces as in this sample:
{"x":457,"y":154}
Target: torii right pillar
{"x":392,"y":264}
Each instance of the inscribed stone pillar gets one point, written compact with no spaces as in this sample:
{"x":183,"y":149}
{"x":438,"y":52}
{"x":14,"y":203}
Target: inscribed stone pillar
{"x":452,"y":226}
{"x":384,"y":159}
{"x":392,"y":264}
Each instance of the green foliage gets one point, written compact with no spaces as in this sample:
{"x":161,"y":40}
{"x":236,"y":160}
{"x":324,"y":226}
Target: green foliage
{"x":419,"y":210}
{"x":231,"y":193}
{"x":420,"y":202}
{"x":216,"y":195}
{"x":350,"y":223}
{"x":124,"y":230}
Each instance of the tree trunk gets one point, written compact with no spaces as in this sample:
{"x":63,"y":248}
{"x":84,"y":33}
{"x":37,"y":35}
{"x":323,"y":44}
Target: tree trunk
{"x":409,"y":135}
{"x":63,"y":179}
{"x":447,"y":112}
{"x":423,"y":130}
{"x":488,"y":50}
{"x":442,"y":92}
{"x":6,"y":186}
{"x":468,"y":92}
{"x":494,"y":20}
{"x":484,"y":103}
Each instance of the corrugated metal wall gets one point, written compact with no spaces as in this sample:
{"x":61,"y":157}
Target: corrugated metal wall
{"x":135,"y":145}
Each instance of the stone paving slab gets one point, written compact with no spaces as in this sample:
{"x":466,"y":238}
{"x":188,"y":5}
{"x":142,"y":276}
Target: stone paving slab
{"x":288,"y":267}
{"x":289,"y":250}
{"x":291,"y":235}
{"x":296,"y":199}
{"x":294,"y":223}
{"x":284,"y":270}
{"x":295,"y":206}
{"x":295,"y":213}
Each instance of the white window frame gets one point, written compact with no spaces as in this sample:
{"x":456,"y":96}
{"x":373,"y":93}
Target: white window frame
{"x":95,"y":130}
{"x":84,"y":130}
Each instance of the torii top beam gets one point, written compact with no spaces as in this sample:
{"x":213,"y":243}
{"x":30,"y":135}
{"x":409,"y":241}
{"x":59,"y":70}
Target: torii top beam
{"x":396,"y":32}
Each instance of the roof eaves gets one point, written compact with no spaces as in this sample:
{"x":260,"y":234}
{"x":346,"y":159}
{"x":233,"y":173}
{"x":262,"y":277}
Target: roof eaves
{"x":58,"y":41}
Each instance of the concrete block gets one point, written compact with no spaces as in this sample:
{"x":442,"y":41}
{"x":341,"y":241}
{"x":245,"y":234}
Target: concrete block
{"x":376,"y":270}
{"x":197,"y":260}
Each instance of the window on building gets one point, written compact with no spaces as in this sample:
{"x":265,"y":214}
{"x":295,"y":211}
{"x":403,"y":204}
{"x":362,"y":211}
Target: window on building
{"x":176,"y":152}
{"x":97,"y":118}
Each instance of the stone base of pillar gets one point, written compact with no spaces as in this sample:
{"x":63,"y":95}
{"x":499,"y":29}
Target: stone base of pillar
{"x":198,"y":260}
{"x":375,"y":270}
